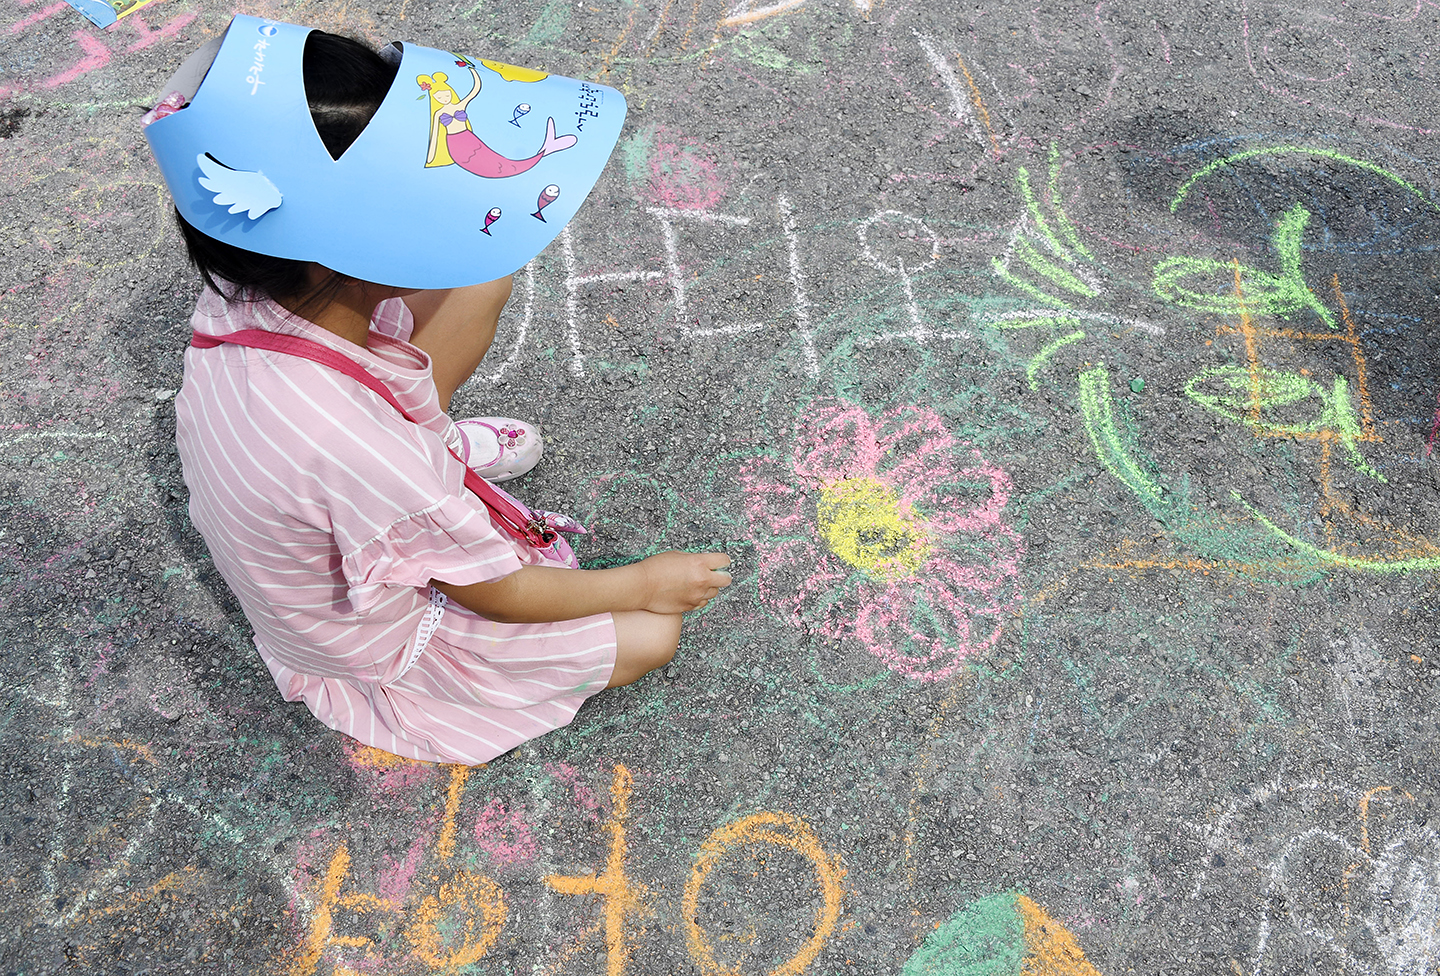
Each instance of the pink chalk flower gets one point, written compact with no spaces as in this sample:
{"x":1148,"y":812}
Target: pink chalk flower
{"x":890,"y":532}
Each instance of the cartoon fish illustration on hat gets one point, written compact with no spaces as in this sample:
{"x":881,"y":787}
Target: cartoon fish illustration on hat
{"x":547,"y":196}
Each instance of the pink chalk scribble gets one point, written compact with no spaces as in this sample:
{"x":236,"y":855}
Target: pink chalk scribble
{"x":681,"y":176}
{"x":103,"y":654}
{"x":39,"y":15}
{"x":505,"y":835}
{"x":889,"y":531}
{"x":382,"y":771}
{"x":394,"y":878}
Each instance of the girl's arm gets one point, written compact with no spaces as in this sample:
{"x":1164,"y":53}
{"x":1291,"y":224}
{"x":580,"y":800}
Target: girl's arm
{"x":671,"y":582}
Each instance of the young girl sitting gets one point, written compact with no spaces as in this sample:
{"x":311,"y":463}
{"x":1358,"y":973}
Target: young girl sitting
{"x":383,"y":592}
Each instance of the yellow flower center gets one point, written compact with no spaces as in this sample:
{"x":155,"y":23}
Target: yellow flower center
{"x":863,"y":522}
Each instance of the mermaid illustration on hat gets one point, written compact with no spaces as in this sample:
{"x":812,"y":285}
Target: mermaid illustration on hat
{"x":453,"y":141}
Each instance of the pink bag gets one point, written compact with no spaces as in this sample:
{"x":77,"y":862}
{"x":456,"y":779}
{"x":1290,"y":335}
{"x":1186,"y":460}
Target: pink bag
{"x":540,"y":530}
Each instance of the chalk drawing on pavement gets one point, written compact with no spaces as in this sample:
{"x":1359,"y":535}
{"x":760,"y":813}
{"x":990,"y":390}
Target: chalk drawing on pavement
{"x":887,"y":531}
{"x":1049,"y":264}
{"x":1352,"y":875}
{"x":1004,"y":935}
{"x":439,"y":909}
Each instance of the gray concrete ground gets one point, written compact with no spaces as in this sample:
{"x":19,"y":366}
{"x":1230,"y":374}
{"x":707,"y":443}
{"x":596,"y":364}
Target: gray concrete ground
{"x":1061,"y":377}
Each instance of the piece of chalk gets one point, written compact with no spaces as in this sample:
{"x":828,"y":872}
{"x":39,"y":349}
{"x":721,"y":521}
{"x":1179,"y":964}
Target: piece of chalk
{"x":1137,"y":385}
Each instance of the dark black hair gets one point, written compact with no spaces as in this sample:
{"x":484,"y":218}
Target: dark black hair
{"x":345,"y":82}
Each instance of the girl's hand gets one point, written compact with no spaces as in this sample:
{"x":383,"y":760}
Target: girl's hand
{"x":680,"y":581}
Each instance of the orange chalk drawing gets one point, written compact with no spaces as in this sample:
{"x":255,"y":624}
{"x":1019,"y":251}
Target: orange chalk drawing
{"x":172,"y":884}
{"x":690,"y":26}
{"x":979,"y":105}
{"x":139,"y":748}
{"x":475,"y":895}
{"x":1363,"y":804}
{"x":370,"y":757}
{"x":477,"y":900}
{"x":604,"y":72}
{"x":656,"y":31}
{"x":459,"y":922}
{"x":385,"y":772}
{"x":1050,"y":949}
{"x":621,"y":897}
{"x":779,"y":830}
{"x":743,"y":14}
{"x":323,"y":918}
{"x":1262,"y":381}
{"x":1129,"y":557}
{"x":1349,"y":533}
{"x":445,"y":846}
{"x":1005,"y":933}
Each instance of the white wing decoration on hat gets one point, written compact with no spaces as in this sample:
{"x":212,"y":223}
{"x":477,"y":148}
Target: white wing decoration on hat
{"x":239,"y":189}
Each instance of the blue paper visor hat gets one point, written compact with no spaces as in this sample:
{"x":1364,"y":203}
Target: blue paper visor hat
{"x":467,"y":170}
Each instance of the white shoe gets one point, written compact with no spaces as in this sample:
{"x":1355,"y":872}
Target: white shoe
{"x":500,"y":448}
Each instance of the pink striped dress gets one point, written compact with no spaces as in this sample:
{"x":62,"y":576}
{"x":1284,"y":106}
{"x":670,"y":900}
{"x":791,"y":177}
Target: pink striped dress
{"x":328,"y":514}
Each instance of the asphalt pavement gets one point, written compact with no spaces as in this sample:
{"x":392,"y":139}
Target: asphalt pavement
{"x":1062,"y":380}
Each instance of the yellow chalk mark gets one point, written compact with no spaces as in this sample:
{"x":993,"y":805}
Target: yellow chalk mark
{"x":1048,"y":593}
{"x":871,"y":527}
{"x":779,"y":830}
{"x":1050,"y":949}
{"x":979,"y":104}
{"x":445,"y":846}
{"x":1123,"y":559}
{"x":1202,"y":566}
{"x":621,"y":897}
{"x":1135,"y":565}
{"x":481,"y":900}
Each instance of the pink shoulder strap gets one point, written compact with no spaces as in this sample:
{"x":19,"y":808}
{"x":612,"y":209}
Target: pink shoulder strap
{"x":514,"y":519}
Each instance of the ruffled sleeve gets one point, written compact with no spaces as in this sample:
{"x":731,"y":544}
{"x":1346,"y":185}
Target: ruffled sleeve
{"x":452,"y":541}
